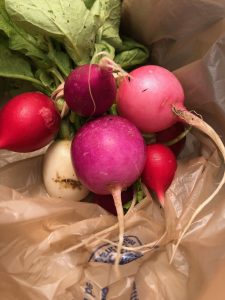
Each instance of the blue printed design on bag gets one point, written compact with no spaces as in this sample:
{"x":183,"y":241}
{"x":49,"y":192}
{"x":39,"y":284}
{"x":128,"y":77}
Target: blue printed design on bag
{"x":88,"y":290}
{"x":134,"y":293}
{"x":107,"y":253}
{"x":104,"y":293}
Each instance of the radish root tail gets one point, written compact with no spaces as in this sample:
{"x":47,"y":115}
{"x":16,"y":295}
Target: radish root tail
{"x":198,"y":123}
{"x":116,"y":193}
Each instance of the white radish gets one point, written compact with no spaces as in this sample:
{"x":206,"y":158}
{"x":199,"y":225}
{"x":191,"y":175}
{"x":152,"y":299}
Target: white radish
{"x":59,"y":177}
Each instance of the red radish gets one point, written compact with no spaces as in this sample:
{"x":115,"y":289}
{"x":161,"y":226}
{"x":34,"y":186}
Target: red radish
{"x":108,"y":155}
{"x":107,"y":202}
{"x":153,"y":99}
{"x":90,"y":90}
{"x":159,"y":170}
{"x":169,"y":135}
{"x":28,"y":122}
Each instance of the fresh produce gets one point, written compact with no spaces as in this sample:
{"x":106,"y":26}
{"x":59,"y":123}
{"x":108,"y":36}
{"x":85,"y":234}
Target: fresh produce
{"x":108,"y":155}
{"x":146,"y":98}
{"x":153,"y":99}
{"x":90,"y":90}
{"x":59,"y":176}
{"x":172,"y":137}
{"x":43,"y":48}
{"x":159,"y":170}
{"x":41,"y":44}
{"x":107,"y":202}
{"x":28,"y":122}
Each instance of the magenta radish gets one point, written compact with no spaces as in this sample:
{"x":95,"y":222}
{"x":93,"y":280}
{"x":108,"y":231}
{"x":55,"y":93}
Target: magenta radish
{"x":153,"y":99}
{"x":108,"y":155}
{"x":28,"y":122}
{"x":90,"y":90}
{"x":159,"y":170}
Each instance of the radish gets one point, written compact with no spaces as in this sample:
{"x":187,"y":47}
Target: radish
{"x":146,"y":97}
{"x":59,"y":176}
{"x":90,"y":90}
{"x":153,"y":99}
{"x":28,"y":122}
{"x":174,"y":137}
{"x":159,"y":170}
{"x":108,"y":155}
{"x":106,"y":201}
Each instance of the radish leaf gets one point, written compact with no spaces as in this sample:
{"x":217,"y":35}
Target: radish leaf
{"x":13,"y":65}
{"x":131,"y":54}
{"x":20,"y":40}
{"x":69,"y":21}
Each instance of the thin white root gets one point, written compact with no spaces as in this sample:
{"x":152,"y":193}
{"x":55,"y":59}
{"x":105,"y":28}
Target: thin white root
{"x":198,"y":123}
{"x":197,"y":211}
{"x":89,"y":88}
{"x":91,"y":238}
{"x":146,"y":247}
{"x":97,"y":236}
{"x":116,"y":193}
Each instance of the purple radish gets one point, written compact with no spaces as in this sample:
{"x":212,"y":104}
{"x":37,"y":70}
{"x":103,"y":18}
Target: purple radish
{"x":109,"y":155}
{"x":90,"y":90}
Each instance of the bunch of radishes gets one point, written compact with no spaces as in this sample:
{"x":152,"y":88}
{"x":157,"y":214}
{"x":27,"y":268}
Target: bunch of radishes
{"x":109,"y":153}
{"x":30,"y":121}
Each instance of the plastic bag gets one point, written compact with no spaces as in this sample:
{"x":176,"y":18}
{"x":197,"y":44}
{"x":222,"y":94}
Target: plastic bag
{"x":48,"y":250}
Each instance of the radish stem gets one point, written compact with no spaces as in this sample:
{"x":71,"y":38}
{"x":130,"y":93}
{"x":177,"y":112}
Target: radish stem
{"x":179,"y":137}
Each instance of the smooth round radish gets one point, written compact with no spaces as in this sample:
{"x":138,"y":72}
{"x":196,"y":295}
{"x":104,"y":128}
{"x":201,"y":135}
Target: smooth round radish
{"x":159,"y":170}
{"x":147,"y":97}
{"x":107,"y":202}
{"x":90,"y":90}
{"x":108,"y":155}
{"x":153,"y":99}
{"x":59,"y":176}
{"x":28,"y":122}
{"x":172,"y":137}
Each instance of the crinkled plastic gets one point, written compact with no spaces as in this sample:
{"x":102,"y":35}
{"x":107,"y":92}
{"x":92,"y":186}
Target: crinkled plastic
{"x":48,"y":250}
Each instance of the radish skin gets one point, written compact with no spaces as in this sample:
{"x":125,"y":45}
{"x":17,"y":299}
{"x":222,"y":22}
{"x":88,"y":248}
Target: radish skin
{"x":28,"y":122}
{"x":90,"y":90}
{"x":159,"y":170}
{"x":59,"y":176}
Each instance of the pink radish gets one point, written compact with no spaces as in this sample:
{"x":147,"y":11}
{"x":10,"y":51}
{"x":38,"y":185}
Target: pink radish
{"x":159,"y":170}
{"x":153,"y":99}
{"x":147,"y":97}
{"x":28,"y":122}
{"x":108,"y":155}
{"x":90,"y":90}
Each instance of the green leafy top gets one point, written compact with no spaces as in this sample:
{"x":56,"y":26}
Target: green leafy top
{"x":52,"y":37}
